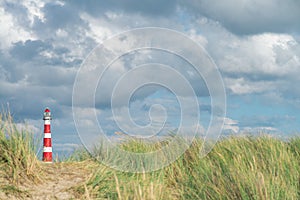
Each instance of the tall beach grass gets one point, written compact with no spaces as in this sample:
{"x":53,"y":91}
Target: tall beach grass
{"x":237,"y":168}
{"x":18,"y":159}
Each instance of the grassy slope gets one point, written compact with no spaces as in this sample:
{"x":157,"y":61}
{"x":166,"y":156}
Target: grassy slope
{"x":237,"y":168}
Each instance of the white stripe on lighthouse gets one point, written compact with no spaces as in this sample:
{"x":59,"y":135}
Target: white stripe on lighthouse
{"x":47,"y":135}
{"x":47,"y":149}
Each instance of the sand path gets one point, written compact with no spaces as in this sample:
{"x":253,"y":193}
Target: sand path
{"x":56,"y":182}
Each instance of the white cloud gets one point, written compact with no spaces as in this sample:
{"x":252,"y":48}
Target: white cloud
{"x":259,"y":129}
{"x":65,"y":147}
{"x":27,"y":127}
{"x":11,"y":31}
{"x":241,"y":86}
{"x":231,"y":125}
{"x":34,"y":9}
{"x":263,"y":63}
{"x":257,"y":54}
{"x":192,"y":33}
{"x":99,"y":29}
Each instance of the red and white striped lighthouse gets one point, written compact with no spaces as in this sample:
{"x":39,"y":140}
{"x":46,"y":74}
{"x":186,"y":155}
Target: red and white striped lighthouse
{"x":47,"y":150}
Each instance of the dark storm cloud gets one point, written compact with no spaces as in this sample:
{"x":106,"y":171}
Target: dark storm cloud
{"x":250,"y":16}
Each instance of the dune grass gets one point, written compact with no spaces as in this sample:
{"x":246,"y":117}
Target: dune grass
{"x":18,"y":160}
{"x":237,"y":168}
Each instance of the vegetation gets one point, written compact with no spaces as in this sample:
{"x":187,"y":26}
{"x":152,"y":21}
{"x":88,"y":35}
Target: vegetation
{"x":237,"y":168}
{"x":18,"y":160}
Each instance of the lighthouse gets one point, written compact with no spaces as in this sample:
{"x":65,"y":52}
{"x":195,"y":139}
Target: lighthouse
{"x":47,"y":150}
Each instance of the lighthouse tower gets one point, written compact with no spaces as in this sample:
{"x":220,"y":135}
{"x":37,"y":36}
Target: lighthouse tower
{"x":47,"y":150}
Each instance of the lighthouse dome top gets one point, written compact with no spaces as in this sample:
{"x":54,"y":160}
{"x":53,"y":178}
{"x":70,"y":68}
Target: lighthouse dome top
{"x":47,"y":114}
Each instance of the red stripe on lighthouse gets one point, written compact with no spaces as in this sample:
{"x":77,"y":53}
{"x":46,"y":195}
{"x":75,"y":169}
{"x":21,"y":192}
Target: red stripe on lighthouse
{"x":47,"y":128}
{"x":47,"y":150}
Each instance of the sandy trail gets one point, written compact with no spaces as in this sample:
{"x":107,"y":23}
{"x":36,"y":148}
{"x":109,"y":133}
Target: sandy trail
{"x":57,"y":179}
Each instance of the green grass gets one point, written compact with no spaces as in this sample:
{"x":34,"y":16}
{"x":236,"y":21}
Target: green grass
{"x":237,"y":168}
{"x":18,"y":160}
{"x":241,"y":168}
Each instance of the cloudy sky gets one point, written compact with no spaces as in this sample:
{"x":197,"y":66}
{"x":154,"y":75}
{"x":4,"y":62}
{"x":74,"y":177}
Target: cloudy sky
{"x":255,"y":45}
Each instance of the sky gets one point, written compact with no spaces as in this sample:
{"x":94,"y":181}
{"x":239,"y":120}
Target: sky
{"x":253,"y":43}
